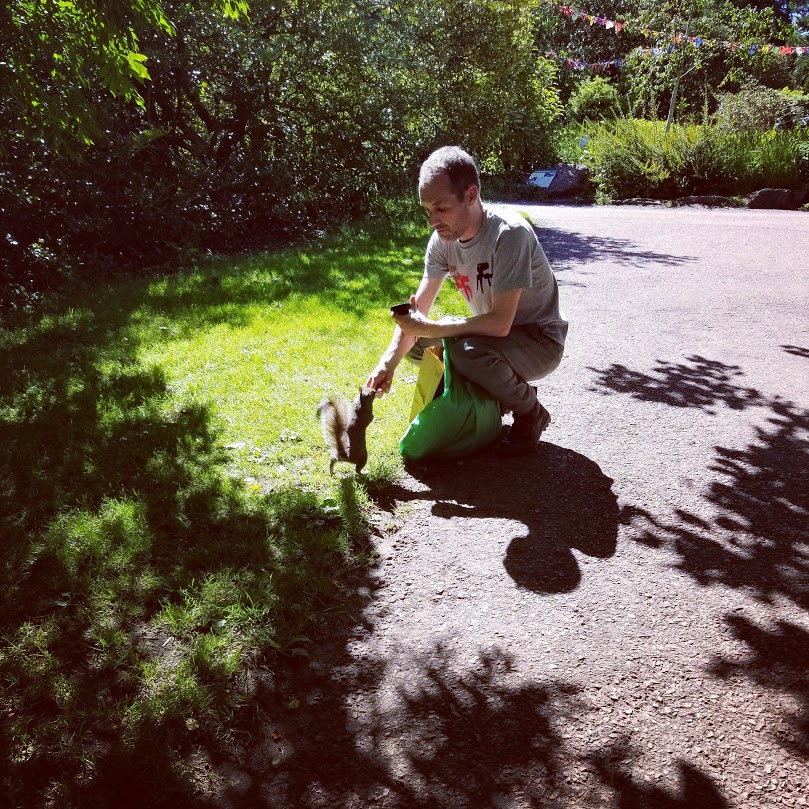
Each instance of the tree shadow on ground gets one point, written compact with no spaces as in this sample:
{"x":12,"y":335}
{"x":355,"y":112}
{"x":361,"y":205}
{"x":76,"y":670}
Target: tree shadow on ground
{"x":753,"y":537}
{"x":756,"y":540}
{"x":696,"y":383}
{"x":115,"y":505}
{"x":778,"y":659}
{"x":563,"y":498}
{"x":797,"y":351}
{"x":446,"y":728}
{"x":447,"y":736}
{"x":569,"y":250}
{"x":697,"y":791}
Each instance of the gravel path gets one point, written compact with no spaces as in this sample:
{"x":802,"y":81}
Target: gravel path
{"x":621,"y":619}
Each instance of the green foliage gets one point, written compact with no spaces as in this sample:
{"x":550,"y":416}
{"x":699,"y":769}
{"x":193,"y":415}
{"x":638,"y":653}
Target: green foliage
{"x":798,"y":103}
{"x":632,"y":158}
{"x":167,"y":515}
{"x":60,"y":55}
{"x":752,"y":109}
{"x":247,"y":131}
{"x":646,"y":80}
{"x":594,"y":99}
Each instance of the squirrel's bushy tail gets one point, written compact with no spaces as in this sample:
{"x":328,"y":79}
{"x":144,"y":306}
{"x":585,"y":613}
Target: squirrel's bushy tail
{"x":333,"y":417}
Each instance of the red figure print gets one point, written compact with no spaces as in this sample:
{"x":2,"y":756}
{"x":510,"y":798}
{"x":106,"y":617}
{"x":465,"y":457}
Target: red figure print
{"x":462,"y":283}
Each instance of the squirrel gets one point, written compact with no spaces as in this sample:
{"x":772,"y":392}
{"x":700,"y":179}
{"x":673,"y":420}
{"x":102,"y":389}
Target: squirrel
{"x":344,"y":427}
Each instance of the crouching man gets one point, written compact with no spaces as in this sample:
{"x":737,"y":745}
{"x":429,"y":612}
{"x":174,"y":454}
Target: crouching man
{"x":515,"y":333}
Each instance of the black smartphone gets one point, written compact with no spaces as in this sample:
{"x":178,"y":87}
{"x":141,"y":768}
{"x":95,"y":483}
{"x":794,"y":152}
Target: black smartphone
{"x":400,"y":309}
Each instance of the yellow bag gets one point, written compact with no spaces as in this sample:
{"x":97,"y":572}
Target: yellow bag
{"x":430,"y":372}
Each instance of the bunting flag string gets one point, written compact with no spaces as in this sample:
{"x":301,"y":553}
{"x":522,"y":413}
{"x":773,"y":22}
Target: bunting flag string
{"x":575,"y":64}
{"x":593,"y":19}
{"x":615,"y":25}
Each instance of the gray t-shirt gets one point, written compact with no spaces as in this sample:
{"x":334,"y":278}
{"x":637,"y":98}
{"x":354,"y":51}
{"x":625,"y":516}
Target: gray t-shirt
{"x":504,"y":254}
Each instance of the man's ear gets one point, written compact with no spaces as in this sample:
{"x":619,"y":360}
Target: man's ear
{"x":472,"y":194}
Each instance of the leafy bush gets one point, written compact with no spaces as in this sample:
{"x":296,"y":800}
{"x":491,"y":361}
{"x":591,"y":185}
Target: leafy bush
{"x":250,"y":132}
{"x":752,"y":109}
{"x":798,"y":107}
{"x":595,"y":99}
{"x":633,"y":158}
{"x":627,"y":159}
{"x":570,"y":143}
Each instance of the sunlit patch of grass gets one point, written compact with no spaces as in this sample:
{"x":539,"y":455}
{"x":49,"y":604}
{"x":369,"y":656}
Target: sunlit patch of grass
{"x":167,"y":511}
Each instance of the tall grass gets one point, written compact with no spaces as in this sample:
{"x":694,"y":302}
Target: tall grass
{"x":167,"y":515}
{"x":632,"y":158}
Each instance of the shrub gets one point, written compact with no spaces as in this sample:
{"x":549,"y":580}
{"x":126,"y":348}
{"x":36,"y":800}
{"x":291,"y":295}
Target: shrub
{"x":798,"y":107}
{"x":633,"y":158}
{"x":594,"y":100}
{"x":626,"y":160}
{"x":752,"y":109}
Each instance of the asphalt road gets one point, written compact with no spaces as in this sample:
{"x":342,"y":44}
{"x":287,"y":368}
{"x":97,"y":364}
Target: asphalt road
{"x":620,"y":621}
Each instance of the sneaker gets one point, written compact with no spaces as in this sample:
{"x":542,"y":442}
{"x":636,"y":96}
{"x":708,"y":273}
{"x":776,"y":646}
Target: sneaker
{"x":527,"y":429}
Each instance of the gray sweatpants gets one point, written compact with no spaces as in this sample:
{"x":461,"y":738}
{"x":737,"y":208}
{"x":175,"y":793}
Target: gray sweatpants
{"x":502,"y":366}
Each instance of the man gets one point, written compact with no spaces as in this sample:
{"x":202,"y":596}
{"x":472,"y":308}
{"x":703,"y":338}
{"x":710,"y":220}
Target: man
{"x":516,"y":331}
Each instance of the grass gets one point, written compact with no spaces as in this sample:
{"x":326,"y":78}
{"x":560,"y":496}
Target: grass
{"x":167,"y":514}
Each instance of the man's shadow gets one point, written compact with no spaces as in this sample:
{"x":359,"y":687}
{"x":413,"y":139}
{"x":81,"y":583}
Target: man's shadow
{"x":563,"y":498}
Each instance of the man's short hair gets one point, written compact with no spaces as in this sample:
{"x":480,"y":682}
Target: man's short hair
{"x":459,"y":166}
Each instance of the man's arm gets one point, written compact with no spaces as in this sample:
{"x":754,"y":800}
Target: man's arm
{"x":382,"y":376}
{"x":495,"y":323}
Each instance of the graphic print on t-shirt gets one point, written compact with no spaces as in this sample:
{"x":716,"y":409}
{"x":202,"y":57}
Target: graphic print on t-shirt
{"x":483,"y":276}
{"x":461,"y":282}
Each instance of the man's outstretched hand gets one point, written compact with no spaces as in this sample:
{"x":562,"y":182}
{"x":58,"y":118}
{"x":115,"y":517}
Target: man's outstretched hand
{"x":380,"y":380}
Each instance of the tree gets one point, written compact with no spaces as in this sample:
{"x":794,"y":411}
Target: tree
{"x":722,"y":53}
{"x":202,"y":129}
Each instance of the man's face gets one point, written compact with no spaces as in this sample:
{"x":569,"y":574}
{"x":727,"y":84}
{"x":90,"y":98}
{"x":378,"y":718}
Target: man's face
{"x":451,"y":217}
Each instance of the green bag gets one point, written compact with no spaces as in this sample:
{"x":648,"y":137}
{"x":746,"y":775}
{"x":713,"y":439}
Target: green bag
{"x":463,"y":419}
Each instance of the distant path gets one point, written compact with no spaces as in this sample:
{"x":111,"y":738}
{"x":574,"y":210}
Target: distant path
{"x":620,"y":620}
